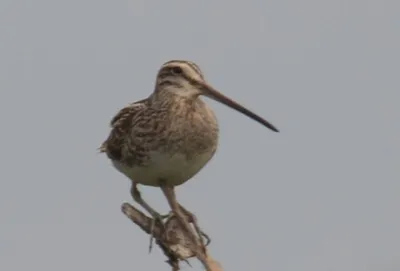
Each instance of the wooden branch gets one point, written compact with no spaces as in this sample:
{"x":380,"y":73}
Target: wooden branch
{"x":172,"y":240}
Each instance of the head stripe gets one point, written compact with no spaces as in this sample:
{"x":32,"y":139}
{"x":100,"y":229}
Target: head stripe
{"x":191,"y":64}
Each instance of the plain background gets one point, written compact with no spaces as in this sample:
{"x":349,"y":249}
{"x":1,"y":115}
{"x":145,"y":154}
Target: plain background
{"x":323,"y":195}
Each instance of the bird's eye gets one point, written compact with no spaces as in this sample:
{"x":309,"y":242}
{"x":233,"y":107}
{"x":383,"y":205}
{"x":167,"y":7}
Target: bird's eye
{"x":176,"y":70}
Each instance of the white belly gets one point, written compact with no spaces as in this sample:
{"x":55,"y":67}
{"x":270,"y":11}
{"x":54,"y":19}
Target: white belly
{"x":174,"y":170}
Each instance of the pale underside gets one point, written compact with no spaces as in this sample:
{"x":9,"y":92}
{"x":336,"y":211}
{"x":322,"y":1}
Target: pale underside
{"x":173,"y":169}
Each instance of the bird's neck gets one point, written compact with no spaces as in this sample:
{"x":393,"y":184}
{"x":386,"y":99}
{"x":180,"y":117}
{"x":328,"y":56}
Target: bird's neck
{"x":190,"y":115}
{"x":171,"y":98}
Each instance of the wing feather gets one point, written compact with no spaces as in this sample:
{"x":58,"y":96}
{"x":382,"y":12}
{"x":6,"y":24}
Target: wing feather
{"x":121,"y":125}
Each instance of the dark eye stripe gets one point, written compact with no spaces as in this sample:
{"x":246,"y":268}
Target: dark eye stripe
{"x":191,"y":64}
{"x":176,"y":70}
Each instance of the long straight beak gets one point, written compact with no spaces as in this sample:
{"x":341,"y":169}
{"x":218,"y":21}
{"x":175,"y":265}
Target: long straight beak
{"x":209,"y":91}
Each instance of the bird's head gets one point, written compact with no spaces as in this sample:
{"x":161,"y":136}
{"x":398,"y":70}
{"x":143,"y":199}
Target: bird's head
{"x":184,"y":79}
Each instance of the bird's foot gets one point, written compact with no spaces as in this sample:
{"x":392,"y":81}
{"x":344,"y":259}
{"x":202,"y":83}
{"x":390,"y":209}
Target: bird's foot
{"x":201,"y":234}
{"x":205,"y":236}
{"x":157,"y":218}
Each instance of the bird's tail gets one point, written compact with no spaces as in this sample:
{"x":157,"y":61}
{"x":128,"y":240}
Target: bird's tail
{"x":102,"y":148}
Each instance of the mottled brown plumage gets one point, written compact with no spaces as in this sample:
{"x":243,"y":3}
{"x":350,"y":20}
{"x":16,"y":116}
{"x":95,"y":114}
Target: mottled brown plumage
{"x":166,"y":139}
{"x":145,"y":135}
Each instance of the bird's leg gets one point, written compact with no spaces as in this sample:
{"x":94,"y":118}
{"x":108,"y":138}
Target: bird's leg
{"x":138,"y":198}
{"x":169,"y":193}
{"x":156,"y":216}
{"x":200,"y":233}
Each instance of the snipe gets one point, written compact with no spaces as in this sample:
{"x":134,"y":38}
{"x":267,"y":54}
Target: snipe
{"x":166,"y":139}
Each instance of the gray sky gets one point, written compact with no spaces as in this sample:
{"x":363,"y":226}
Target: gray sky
{"x":321,"y":195}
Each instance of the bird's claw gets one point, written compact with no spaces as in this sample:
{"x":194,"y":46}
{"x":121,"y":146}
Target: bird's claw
{"x":157,"y":218}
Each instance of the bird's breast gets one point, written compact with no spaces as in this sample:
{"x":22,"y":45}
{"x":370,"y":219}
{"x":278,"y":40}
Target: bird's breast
{"x":187,"y":141}
{"x":195,"y":129}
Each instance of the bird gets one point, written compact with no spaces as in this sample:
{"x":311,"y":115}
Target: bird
{"x":168,"y":137}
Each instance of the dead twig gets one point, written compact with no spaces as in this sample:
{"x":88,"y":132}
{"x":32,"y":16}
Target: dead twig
{"x":173,"y":241}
